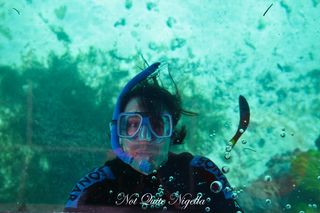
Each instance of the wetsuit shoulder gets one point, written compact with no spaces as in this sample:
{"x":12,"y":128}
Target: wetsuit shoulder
{"x":91,"y":179}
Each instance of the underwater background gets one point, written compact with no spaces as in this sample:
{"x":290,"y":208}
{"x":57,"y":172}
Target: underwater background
{"x":63,"y":64}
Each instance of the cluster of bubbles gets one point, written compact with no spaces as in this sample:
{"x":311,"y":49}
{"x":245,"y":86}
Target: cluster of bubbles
{"x":288,"y":207}
{"x":217,"y":186}
{"x":144,"y":205}
{"x":268,"y":178}
{"x":160,"y":192}
{"x":213,"y":133}
{"x":283,"y":133}
{"x":314,"y":206}
{"x":227,"y":154}
{"x":174,"y":195}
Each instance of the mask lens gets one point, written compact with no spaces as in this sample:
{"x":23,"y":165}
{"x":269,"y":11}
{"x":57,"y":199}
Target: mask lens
{"x":161,"y":126}
{"x":129,"y":125}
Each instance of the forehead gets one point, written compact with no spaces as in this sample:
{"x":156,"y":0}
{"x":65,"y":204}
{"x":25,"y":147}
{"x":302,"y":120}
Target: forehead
{"x":134,"y":105}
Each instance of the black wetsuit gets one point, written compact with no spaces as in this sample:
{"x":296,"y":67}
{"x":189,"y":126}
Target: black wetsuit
{"x":181,"y":184}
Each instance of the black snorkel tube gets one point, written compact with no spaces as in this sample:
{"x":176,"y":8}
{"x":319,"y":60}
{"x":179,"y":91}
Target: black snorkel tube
{"x":117,"y":149}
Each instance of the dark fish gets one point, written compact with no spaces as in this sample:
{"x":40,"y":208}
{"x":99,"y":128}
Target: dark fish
{"x":244,"y":119}
{"x":16,"y":10}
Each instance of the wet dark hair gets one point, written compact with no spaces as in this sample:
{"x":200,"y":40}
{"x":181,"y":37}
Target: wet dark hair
{"x":156,"y":99}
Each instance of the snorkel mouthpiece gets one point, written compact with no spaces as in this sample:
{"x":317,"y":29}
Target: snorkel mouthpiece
{"x":144,"y":165}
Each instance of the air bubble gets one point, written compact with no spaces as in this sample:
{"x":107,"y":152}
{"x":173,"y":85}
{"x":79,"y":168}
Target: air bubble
{"x":154,"y":171}
{"x":175,"y":195}
{"x":241,"y":131}
{"x":154,"y":178}
{"x":314,"y":206}
{"x":144,"y":206}
{"x":216,"y":186}
{"x":318,"y":177}
{"x":234,"y":195}
{"x":207,"y":209}
{"x":288,"y":206}
{"x":301,"y":211}
{"x":268,"y":178}
{"x":225,"y":169}
{"x":208,"y":199}
{"x":199,"y":194}
{"x":110,"y":191}
{"x":227,"y":155}
{"x":244,"y":141}
{"x":228,"y":148}
{"x":170,"y":178}
{"x":228,"y":189}
{"x":164,"y":208}
{"x":268,"y":202}
{"x":213,"y":133}
{"x":283,"y":134}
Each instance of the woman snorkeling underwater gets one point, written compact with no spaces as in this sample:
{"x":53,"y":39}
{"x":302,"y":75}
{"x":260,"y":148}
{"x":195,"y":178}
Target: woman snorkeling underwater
{"x":145,"y":176}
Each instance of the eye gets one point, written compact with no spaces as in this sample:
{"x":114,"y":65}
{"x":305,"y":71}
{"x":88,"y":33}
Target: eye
{"x":133,"y":122}
{"x":157,"y":125}
{"x":133,"y":125}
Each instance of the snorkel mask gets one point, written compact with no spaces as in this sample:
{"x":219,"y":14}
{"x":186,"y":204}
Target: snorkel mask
{"x":145,"y":125}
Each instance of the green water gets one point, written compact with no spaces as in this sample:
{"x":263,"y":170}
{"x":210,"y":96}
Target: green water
{"x":63,"y":63}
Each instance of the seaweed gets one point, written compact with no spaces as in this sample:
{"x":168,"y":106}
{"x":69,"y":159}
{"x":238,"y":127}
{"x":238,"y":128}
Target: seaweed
{"x":54,"y":123}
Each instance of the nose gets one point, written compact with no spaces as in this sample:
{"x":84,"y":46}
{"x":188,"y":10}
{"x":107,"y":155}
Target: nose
{"x":144,"y":133}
